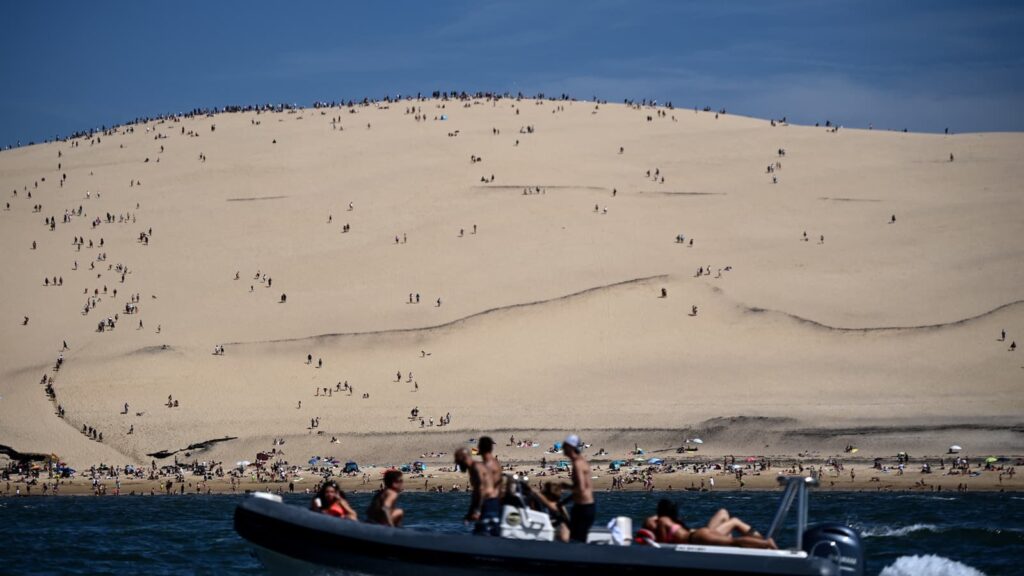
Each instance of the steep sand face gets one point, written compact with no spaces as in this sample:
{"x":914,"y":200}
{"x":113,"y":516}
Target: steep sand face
{"x":550,"y":317}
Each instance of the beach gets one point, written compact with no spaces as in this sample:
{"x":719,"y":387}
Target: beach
{"x":298,"y":282}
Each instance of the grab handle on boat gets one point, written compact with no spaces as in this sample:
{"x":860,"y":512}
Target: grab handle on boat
{"x":796,"y":489}
{"x":836,"y":555}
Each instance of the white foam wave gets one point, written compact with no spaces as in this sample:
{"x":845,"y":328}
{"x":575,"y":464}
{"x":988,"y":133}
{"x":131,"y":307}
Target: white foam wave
{"x":890,"y":531}
{"x":929,"y":564}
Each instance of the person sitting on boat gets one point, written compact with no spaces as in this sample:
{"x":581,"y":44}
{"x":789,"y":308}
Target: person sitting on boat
{"x":382,"y":508}
{"x":550,"y":500}
{"x":331,"y":500}
{"x":669,"y":529}
{"x":484,"y":505}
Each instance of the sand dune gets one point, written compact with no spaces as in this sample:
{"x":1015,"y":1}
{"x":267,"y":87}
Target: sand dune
{"x":887,"y":334}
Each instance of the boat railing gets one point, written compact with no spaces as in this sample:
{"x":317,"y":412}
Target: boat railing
{"x":795,"y":490}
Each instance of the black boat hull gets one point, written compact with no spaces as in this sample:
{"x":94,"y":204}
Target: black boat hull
{"x":291,"y":540}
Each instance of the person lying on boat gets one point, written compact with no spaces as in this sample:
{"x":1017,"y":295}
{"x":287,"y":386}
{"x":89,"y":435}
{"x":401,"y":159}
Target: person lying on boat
{"x":484,"y":505}
{"x":331,"y":500}
{"x":382,"y":508}
{"x":669,"y":529}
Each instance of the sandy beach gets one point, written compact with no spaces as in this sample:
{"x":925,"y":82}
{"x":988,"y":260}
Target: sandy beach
{"x":638,"y":275}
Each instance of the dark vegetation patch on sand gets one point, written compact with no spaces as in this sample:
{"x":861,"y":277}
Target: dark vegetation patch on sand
{"x":831,"y":199}
{"x":535,"y":186}
{"x":22,"y":456}
{"x":671,"y":193}
{"x":254,"y":198}
{"x":197,"y":447}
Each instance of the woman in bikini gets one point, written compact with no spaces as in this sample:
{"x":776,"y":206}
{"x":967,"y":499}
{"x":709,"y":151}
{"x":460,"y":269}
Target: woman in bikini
{"x":669,"y":529}
{"x":331,"y":500}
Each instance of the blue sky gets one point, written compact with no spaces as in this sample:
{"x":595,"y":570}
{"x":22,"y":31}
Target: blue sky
{"x":67,"y":66}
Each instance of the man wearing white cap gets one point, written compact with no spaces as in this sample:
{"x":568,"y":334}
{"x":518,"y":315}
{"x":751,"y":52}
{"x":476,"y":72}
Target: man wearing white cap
{"x":583,"y":510}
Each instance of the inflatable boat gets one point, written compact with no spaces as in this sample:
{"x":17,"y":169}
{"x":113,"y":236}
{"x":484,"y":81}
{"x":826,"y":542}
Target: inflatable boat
{"x":293,"y":540}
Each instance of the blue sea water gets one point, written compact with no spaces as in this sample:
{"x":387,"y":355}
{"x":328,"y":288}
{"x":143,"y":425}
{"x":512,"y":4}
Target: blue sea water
{"x":903,"y":533}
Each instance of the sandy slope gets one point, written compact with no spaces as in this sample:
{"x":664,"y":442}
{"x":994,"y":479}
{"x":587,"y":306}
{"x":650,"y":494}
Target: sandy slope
{"x":551,"y":318}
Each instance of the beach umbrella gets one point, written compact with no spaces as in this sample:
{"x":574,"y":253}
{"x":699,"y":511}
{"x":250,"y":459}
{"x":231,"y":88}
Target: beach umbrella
{"x":751,"y":459}
{"x":955,"y":448}
{"x":697,"y":441}
{"x":991,"y":459}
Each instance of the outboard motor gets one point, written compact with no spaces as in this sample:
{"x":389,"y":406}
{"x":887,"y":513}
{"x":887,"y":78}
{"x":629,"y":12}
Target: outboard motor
{"x":837,"y":542}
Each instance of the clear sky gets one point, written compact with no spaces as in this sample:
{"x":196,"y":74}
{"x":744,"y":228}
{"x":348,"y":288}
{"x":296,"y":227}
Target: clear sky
{"x":67,"y":66}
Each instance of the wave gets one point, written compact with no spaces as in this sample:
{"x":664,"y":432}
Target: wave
{"x":884,"y":531}
{"x":928,"y":564}
{"x":891,"y":532}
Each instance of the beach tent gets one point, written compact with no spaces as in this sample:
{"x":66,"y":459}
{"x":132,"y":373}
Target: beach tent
{"x":444,"y":116}
{"x":656,"y":461}
{"x":991,"y":459}
{"x":563,"y":465}
{"x":351,"y":467}
{"x":616,"y":464}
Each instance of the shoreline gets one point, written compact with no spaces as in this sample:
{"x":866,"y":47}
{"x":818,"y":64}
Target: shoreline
{"x":640,"y":479}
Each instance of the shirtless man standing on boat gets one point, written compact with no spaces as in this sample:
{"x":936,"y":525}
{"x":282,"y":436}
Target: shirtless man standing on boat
{"x":581,"y":518}
{"x":484,"y":506}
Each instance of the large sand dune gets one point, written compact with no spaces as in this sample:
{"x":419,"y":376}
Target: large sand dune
{"x":886,"y":334}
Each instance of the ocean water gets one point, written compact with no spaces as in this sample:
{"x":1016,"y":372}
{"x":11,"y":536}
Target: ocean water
{"x":904,"y":534}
